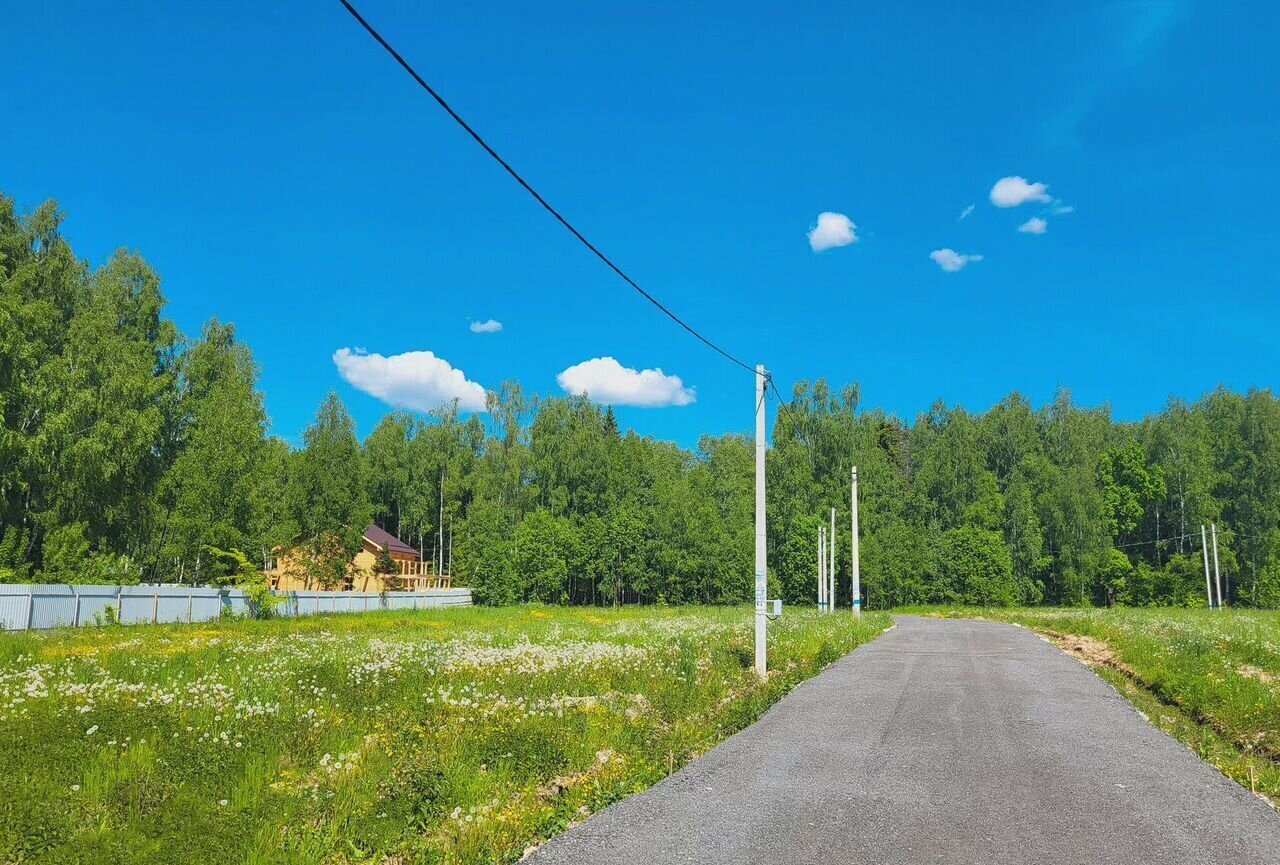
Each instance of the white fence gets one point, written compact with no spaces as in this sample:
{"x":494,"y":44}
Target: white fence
{"x":29,"y":606}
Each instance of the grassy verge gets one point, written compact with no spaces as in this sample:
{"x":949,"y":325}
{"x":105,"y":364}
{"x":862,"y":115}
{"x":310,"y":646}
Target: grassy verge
{"x":448,"y":736}
{"x":1210,"y":679}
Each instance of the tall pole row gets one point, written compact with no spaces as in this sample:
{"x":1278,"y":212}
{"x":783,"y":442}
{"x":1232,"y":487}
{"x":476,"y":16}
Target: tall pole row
{"x":855,"y":587}
{"x":1204,"y":551}
{"x":762,"y":579}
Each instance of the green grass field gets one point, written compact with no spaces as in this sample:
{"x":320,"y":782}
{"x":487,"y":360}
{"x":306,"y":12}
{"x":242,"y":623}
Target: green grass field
{"x":1212,"y":679}
{"x":449,"y":736}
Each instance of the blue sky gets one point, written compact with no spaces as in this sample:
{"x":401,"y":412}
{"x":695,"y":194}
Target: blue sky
{"x":282,"y":173}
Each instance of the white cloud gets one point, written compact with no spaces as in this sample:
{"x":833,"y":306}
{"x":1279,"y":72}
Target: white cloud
{"x":490,"y":326}
{"x":607,"y":381}
{"x":416,"y":380}
{"x":951,"y":261}
{"x":1060,"y":209}
{"x":964,"y":214}
{"x":1034,"y":225}
{"x":832,"y":230}
{"x":1012,"y":191}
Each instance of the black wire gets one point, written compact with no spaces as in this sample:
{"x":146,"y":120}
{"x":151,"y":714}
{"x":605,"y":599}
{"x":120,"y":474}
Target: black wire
{"x":475,"y":135}
{"x":784,"y":405}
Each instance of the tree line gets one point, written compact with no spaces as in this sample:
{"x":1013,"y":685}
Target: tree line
{"x":130,"y":452}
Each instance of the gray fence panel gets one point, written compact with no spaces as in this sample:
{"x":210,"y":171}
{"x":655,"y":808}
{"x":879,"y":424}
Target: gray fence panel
{"x":39,"y":606}
{"x":13,"y":611}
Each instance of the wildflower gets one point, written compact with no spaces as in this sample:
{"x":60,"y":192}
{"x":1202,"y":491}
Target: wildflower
{"x":91,"y":730}
{"x":222,"y":802}
{"x":75,"y":788}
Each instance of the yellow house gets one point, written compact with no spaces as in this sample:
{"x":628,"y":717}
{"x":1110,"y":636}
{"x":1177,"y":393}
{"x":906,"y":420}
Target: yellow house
{"x":287,"y":572}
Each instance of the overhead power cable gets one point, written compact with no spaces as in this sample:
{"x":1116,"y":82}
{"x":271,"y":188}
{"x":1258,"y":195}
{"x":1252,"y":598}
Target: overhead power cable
{"x":528,"y":188}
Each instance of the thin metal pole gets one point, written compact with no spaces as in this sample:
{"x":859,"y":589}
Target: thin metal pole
{"x":856,"y":579}
{"x":1204,"y":550}
{"x":762,"y":579}
{"x":1217,"y":579}
{"x":31,"y":606}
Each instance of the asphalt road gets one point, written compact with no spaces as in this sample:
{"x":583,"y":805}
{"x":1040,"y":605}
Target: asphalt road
{"x":943,"y":741}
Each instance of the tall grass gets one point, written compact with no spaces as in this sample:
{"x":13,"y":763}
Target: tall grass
{"x":435,"y":736}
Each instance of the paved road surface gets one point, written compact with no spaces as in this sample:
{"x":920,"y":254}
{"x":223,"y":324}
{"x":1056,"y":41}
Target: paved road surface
{"x":943,"y":741}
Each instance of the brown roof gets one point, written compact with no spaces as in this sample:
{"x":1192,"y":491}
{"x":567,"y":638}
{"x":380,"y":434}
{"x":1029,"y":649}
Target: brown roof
{"x":388,"y":541}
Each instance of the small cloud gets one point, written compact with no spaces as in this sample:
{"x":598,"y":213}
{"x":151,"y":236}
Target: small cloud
{"x":416,"y":380}
{"x":832,"y":230}
{"x":1012,"y":191}
{"x":490,"y":326}
{"x":951,"y":261}
{"x":1034,"y":225}
{"x":964,"y":214}
{"x":1060,"y":209}
{"x":605,"y":380}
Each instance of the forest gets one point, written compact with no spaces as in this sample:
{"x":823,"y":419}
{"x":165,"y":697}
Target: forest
{"x":130,"y":452}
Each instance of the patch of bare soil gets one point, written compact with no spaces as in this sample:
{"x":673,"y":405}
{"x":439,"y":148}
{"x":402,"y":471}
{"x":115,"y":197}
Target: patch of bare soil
{"x":1090,"y":650}
{"x":1255,"y":673}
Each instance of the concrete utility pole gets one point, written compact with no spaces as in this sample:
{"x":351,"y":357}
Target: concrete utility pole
{"x":831,"y":553}
{"x":822,"y":583}
{"x":762,"y":578}
{"x":1204,"y":551}
{"x":822,"y":569}
{"x":1217,"y":580}
{"x":822,"y":566}
{"x":855,"y":582}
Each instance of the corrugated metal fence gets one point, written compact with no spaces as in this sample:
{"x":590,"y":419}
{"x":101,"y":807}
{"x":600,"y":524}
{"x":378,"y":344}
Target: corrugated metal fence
{"x":32,"y":606}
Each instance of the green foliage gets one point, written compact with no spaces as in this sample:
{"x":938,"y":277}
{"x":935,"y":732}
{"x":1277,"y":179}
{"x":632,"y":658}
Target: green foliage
{"x":128,"y":451}
{"x":542,"y":544}
{"x":974,"y":567}
{"x":233,"y":568}
{"x":326,"y":495}
{"x":386,"y":567}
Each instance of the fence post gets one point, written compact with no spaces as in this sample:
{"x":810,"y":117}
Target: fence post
{"x":75,"y":612}
{"x":119,"y":605}
{"x":189,"y":608}
{"x":155,"y":607}
{"x":31,"y":606}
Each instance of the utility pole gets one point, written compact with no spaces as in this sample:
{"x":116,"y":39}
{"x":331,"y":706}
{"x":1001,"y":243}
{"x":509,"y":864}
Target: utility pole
{"x":856,"y":579}
{"x":762,"y":578}
{"x":831,"y":554}
{"x":822,"y":584}
{"x":1217,"y":580}
{"x":1204,"y":551}
{"x":822,"y":569}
